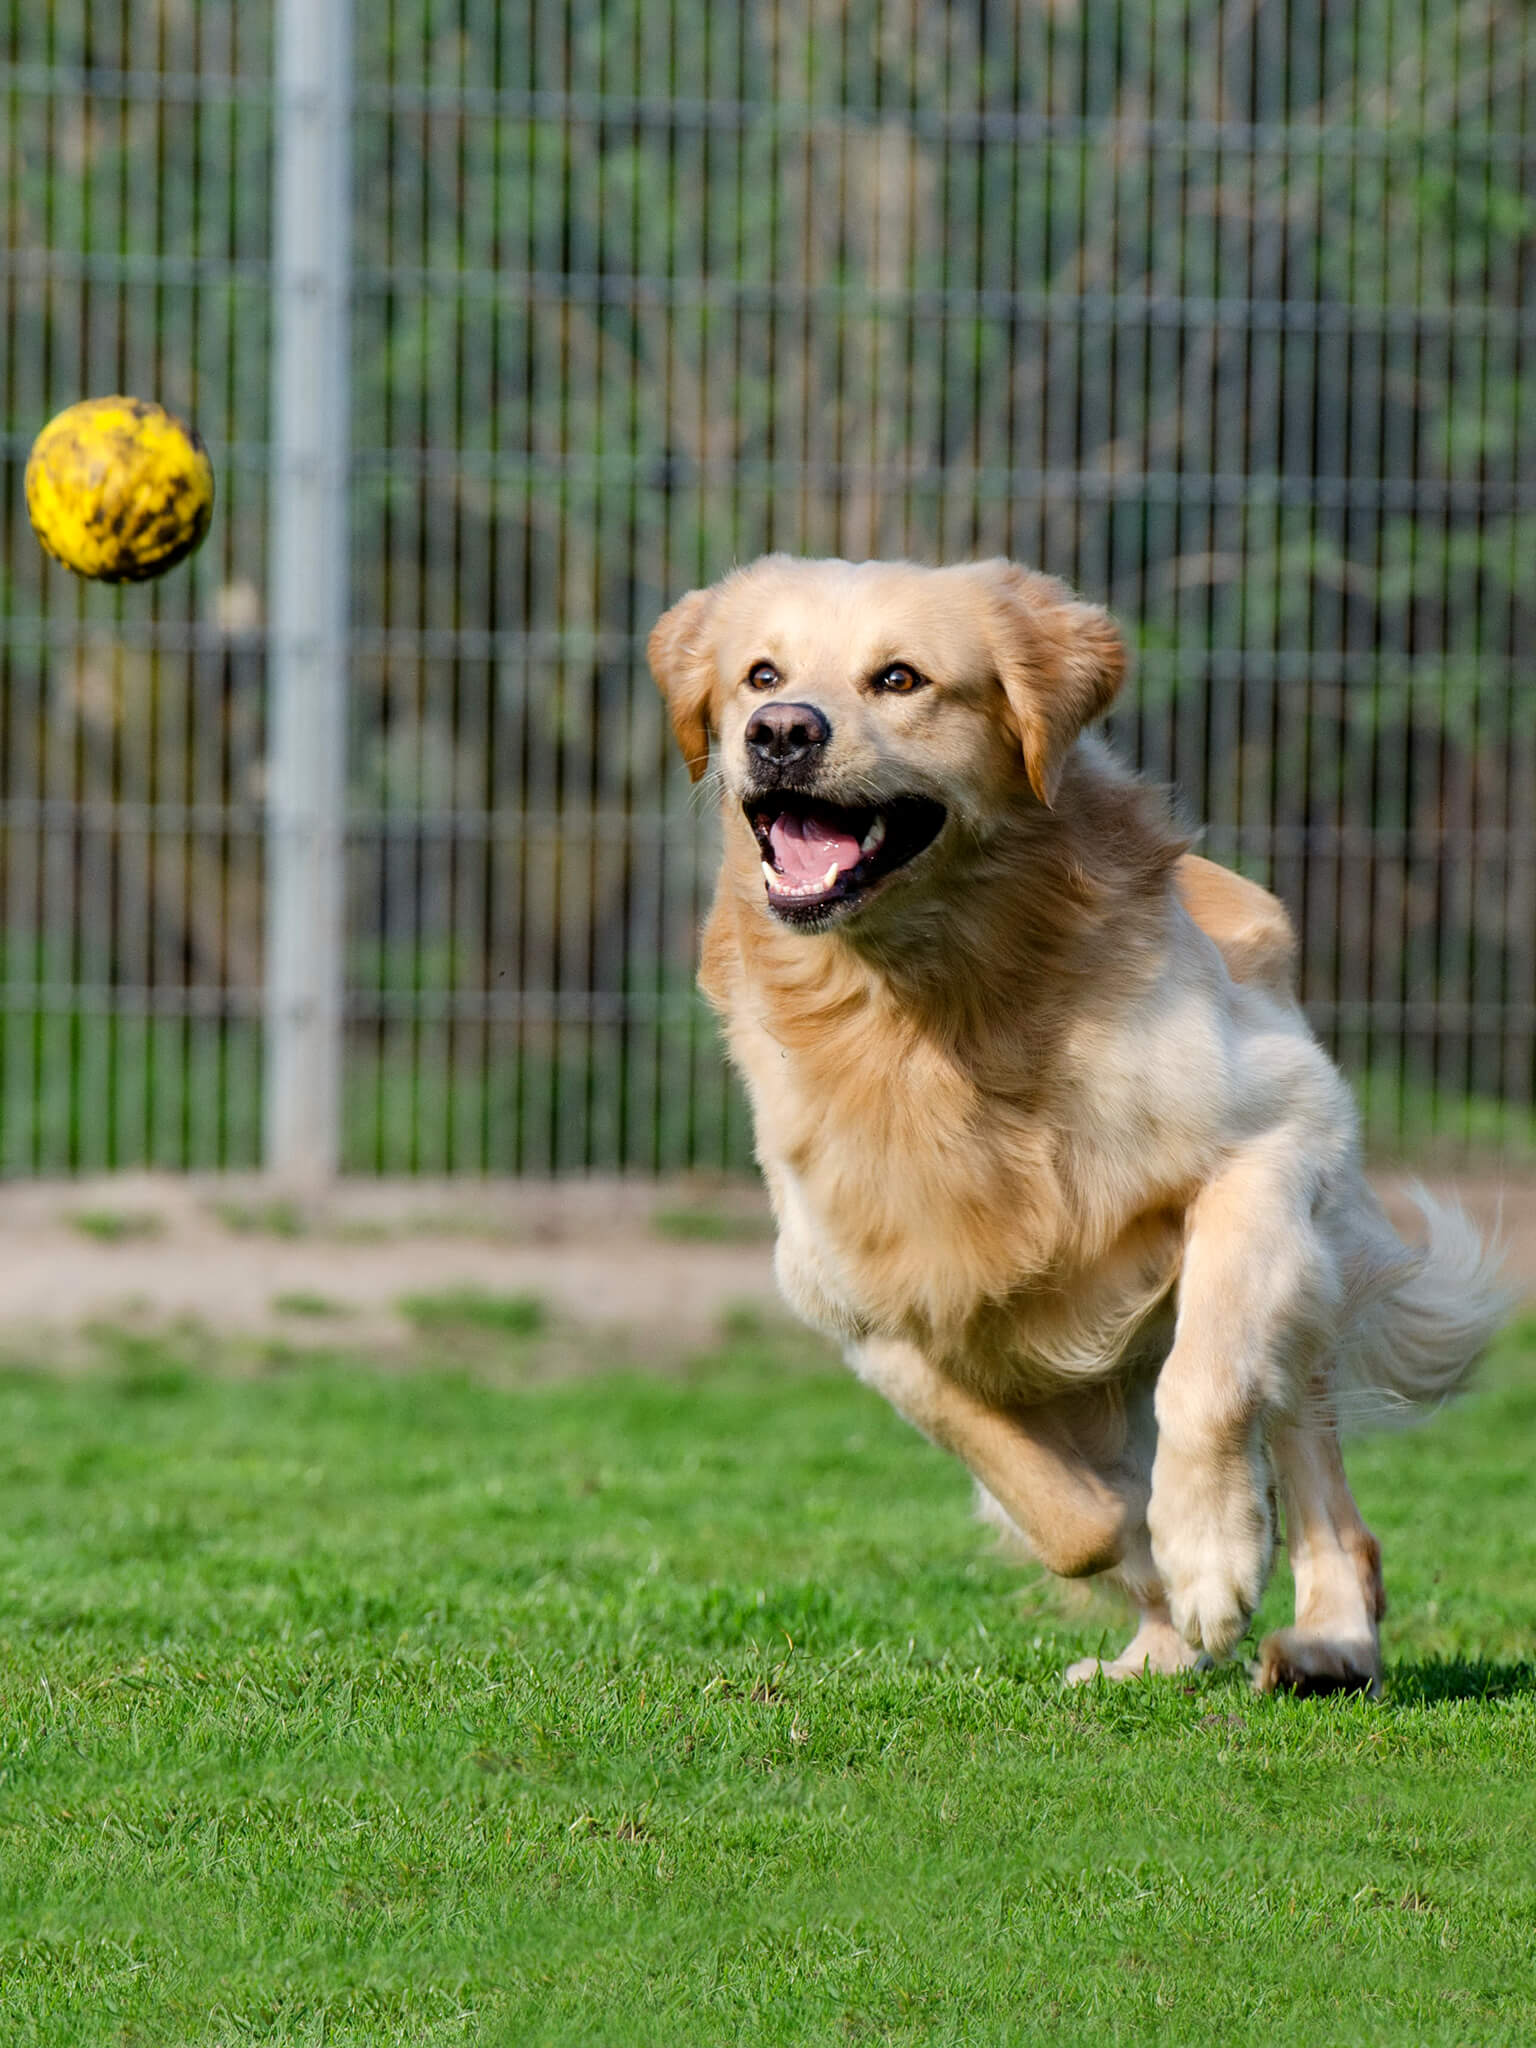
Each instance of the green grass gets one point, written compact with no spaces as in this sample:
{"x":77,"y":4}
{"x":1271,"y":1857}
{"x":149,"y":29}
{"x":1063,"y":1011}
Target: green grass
{"x":705,"y":1223}
{"x":405,"y":1708}
{"x":117,"y":1226}
{"x":301,"y":1302}
{"x":279,"y":1217}
{"x":460,"y":1311}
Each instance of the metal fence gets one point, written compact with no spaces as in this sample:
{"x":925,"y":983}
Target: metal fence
{"x":1219,"y":310}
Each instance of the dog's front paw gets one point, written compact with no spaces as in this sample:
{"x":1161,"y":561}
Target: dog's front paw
{"x":1212,"y":1525}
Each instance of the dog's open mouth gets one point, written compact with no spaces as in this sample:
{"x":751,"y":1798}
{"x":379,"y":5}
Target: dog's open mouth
{"x":818,"y":855}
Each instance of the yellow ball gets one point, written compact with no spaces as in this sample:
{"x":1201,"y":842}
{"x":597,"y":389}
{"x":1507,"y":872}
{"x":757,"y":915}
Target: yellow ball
{"x":118,"y":490}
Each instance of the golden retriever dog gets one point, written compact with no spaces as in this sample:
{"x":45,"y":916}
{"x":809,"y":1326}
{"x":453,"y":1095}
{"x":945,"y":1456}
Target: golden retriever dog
{"x":1051,"y":1148}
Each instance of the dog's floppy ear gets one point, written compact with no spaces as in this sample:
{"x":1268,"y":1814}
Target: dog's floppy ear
{"x":685,"y":675}
{"x":1060,"y":662}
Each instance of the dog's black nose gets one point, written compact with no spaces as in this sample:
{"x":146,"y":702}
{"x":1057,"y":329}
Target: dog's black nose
{"x":782,"y":733}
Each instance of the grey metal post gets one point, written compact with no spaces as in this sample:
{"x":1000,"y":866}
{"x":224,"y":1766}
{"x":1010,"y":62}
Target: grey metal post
{"x":307,"y":710}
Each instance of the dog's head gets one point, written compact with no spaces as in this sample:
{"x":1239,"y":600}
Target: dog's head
{"x":864,"y":709}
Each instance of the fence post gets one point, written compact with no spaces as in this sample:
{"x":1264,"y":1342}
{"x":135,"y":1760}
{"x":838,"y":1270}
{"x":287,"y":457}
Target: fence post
{"x":309,"y":608}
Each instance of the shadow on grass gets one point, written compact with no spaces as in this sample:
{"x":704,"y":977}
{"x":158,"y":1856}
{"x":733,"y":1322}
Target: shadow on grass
{"x":1432,"y":1680}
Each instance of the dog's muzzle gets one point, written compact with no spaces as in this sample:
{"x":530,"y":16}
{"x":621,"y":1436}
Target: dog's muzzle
{"x":820,"y":857}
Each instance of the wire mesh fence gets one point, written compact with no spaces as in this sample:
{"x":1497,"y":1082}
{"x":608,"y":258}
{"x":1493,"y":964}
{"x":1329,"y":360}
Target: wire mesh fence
{"x":1220,"y":311}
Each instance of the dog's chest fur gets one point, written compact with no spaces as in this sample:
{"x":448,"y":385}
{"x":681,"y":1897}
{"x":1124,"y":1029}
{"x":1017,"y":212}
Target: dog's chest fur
{"x":913,"y":1201}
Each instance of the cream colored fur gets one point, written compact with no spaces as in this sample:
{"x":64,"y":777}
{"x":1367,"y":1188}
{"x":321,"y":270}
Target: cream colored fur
{"x":1050,"y":1146}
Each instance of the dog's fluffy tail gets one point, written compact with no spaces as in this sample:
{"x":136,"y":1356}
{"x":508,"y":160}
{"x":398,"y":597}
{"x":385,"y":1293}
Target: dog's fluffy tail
{"x":1422,"y":1318}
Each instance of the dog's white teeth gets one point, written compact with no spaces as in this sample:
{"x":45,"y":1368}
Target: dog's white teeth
{"x":874,"y":838}
{"x":777,"y":886}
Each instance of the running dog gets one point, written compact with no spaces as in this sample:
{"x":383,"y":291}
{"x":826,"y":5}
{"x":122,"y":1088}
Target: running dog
{"x":1051,"y":1148}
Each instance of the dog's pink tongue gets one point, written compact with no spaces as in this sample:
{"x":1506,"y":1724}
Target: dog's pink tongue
{"x":805,"y":846}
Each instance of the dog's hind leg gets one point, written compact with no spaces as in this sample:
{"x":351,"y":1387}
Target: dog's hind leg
{"x":1336,"y":1562}
{"x":1156,"y":1649}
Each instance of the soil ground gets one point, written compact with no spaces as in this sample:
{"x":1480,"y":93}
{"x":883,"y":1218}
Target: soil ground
{"x":640,"y":1266}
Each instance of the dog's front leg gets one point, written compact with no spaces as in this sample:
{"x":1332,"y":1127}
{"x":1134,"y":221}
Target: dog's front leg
{"x":1077,"y":1516}
{"x":1258,"y":1298}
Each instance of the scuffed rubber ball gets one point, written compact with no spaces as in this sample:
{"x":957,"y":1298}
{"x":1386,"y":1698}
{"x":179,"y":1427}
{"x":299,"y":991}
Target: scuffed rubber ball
{"x":119,"y":490}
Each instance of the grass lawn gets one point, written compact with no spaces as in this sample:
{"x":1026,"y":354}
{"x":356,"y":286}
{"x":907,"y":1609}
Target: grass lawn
{"x":346,"y":1706}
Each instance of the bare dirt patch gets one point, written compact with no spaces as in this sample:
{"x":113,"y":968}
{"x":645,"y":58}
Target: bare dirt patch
{"x":640,"y":1268}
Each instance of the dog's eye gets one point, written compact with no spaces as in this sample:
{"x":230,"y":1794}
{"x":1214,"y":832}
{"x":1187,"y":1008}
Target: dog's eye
{"x":762,"y":675}
{"x":899,"y":677}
